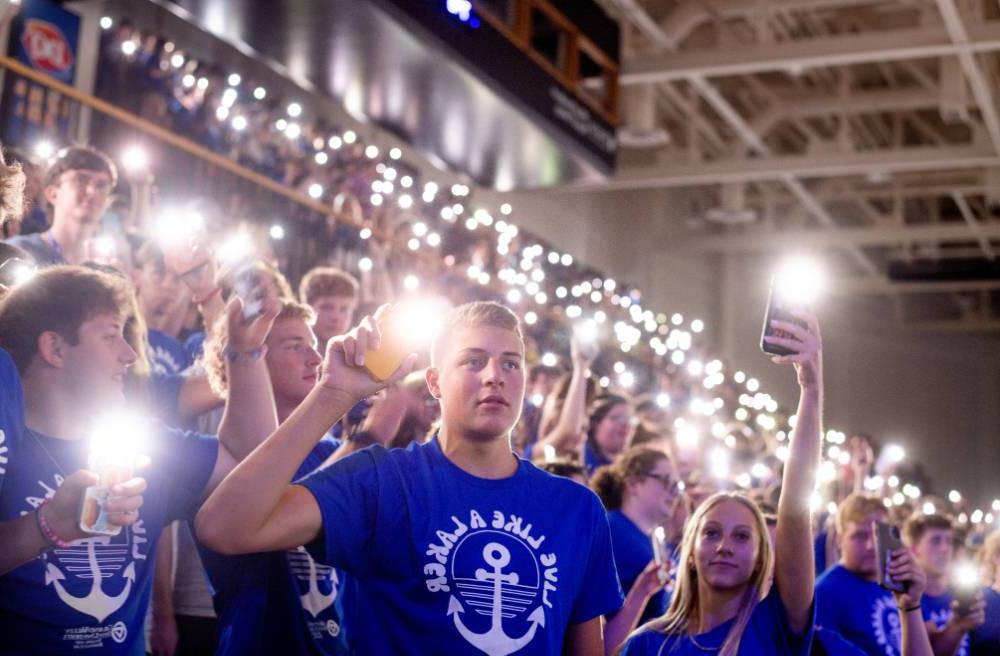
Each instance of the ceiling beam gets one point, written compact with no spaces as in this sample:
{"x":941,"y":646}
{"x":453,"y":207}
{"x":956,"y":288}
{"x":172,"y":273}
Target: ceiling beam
{"x":756,"y":240}
{"x":793,"y":56}
{"x":973,"y":223}
{"x":896,"y":160}
{"x":877,"y":285}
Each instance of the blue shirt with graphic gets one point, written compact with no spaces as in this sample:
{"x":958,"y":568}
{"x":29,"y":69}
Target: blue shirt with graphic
{"x":937,"y":609}
{"x":767,"y":632}
{"x":278,"y":602}
{"x":633,"y":552}
{"x":986,"y":638}
{"x":166,"y":354}
{"x":449,"y":563}
{"x":870,"y":620}
{"x":11,"y":409}
{"x":92,"y":597}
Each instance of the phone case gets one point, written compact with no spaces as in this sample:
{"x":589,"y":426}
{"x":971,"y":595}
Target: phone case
{"x":392,"y":351}
{"x":887,"y":540}
{"x":93,"y":518}
{"x":775,"y":310}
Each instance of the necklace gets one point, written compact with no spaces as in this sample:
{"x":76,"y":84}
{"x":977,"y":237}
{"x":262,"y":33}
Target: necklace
{"x":699,"y":646}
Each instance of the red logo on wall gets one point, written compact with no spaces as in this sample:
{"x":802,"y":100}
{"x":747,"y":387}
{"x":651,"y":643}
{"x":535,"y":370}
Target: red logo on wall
{"x":46,"y":46}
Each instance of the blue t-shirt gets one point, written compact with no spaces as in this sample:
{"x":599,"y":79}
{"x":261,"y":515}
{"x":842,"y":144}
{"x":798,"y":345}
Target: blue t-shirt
{"x":449,"y":563}
{"x":92,"y":597}
{"x":11,"y":409}
{"x":281,"y":601}
{"x":633,"y":552}
{"x":767,"y":633}
{"x":937,"y":609}
{"x":42,"y":251}
{"x":166,"y":354}
{"x":592,"y":459}
{"x":861,"y":611}
{"x":986,"y":638}
{"x":831,"y":643}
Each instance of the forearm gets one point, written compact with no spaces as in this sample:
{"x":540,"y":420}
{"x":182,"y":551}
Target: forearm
{"x":571,"y":416}
{"x":255,"y":486}
{"x":249,"y":416}
{"x":163,"y":576}
{"x":946,"y":641}
{"x":22,"y":542}
{"x":795,"y":569}
{"x":197,"y":397}
{"x":913,"y":634}
{"x":617,"y":628}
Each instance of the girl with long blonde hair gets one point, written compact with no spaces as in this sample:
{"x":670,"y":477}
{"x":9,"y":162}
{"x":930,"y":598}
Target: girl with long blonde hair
{"x":722,"y":602}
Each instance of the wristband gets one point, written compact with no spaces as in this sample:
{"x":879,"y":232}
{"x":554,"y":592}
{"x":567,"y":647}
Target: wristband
{"x":233,"y":356}
{"x":911,"y":609}
{"x":46,"y":530}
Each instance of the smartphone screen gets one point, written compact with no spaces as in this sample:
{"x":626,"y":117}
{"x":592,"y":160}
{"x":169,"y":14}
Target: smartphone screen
{"x":247,"y":285}
{"x":887,"y":540}
{"x":778,"y":309}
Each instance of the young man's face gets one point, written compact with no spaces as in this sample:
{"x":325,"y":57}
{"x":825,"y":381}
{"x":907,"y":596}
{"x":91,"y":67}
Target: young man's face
{"x":857,"y":546}
{"x":79,"y":197}
{"x":292,"y":360}
{"x":334,"y":315}
{"x":157,"y":289}
{"x":933,"y":551}
{"x":480,"y":381}
{"x":95,"y":367}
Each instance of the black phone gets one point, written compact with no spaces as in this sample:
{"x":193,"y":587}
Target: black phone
{"x":777,"y":308}
{"x":965,"y":597}
{"x":887,"y":540}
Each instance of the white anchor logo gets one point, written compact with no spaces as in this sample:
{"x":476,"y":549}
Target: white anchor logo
{"x":495,"y":642}
{"x":97,"y":603}
{"x":314,"y":601}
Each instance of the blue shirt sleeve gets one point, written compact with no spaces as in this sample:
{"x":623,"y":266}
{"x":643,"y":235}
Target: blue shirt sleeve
{"x":602,"y":592}
{"x":185,"y":460}
{"x":347,"y":493}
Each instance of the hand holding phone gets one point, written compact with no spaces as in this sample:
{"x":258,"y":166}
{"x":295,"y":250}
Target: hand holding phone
{"x":778,"y":308}
{"x":887,"y":540}
{"x":394,"y":346}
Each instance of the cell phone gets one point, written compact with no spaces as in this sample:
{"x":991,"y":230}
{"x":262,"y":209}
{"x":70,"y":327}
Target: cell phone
{"x":965,"y":585}
{"x":777,"y":308}
{"x":965,"y":598}
{"x":394,"y":347}
{"x":887,"y":540}
{"x":247,"y":285}
{"x":93,"y":517}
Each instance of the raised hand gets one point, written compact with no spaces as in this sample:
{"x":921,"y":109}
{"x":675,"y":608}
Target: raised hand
{"x":807,"y":343}
{"x":904,"y":569}
{"x":250,"y":335}
{"x":343,"y":370}
{"x":62,"y":512}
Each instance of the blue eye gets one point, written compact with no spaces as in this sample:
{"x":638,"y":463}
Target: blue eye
{"x":511,"y":364}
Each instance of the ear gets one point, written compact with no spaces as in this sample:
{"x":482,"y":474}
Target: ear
{"x":432,"y":377}
{"x":50,"y":192}
{"x":52,"y":349}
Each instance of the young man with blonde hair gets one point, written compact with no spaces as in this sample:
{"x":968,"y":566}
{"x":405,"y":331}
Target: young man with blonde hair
{"x":457,"y":545}
{"x":849,"y":599}
{"x":333,"y":295}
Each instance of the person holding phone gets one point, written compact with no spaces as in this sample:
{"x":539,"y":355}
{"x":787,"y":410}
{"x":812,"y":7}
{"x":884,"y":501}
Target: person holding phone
{"x":457,"y":545}
{"x":640,"y":491}
{"x":931,"y":539}
{"x":724,"y":601}
{"x":985,"y":639}
{"x":63,"y":590}
{"x":849,"y":599}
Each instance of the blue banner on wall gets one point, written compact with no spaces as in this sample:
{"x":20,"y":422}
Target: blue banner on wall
{"x":45,"y":37}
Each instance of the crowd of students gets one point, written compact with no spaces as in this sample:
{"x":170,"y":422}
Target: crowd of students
{"x":293,"y":503}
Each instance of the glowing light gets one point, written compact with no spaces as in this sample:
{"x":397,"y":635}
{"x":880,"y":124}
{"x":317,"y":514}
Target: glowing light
{"x":663,"y":400}
{"x":277,"y":232}
{"x":530,"y":318}
{"x":687,"y":437}
{"x":413,"y":244}
{"x":293,"y":131}
{"x":411,"y":282}
{"x":395,"y":153}
{"x":550,"y":359}
{"x":316,"y":190}
{"x":135,"y":158}
{"x":44,"y":149}
{"x":106,"y":22}
{"x":239,"y":123}
{"x":799,"y":281}
{"x":350,"y":137}
{"x":222,"y":113}
{"x":260,"y":93}
{"x":238,"y":247}
{"x":129,"y":48}
{"x":335,"y":142}
{"x":118,"y":441}
{"x":894,"y":453}
{"x":321,"y":158}
{"x":566,"y":259}
{"x":954,"y":496}
{"x":719,"y":462}
{"x":550,"y":452}
{"x":295,"y":110}
{"x":376,"y":200}
{"x":176,"y":60}
{"x":433,"y":239}
{"x":365,"y":233}
{"x":365,"y":264}
{"x":405,"y":201}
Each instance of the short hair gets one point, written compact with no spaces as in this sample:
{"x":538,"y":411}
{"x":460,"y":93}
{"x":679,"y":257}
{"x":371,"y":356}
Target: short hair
{"x":12,"y":180}
{"x":917,"y":525}
{"x":84,"y":158}
{"x":150,"y":253}
{"x":563,"y":468}
{"x":472,"y":315}
{"x":327,"y":281}
{"x":212,"y":358}
{"x":224,"y":279}
{"x":59,"y":299}
{"x":988,"y":556}
{"x":856,"y":507}
{"x":538,"y":370}
{"x":609,"y":481}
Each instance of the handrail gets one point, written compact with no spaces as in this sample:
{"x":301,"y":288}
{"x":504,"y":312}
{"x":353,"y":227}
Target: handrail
{"x":520,"y":36}
{"x":173,"y":139}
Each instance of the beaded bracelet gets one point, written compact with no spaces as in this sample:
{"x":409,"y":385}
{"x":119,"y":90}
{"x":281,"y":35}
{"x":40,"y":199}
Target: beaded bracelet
{"x":46,"y":530}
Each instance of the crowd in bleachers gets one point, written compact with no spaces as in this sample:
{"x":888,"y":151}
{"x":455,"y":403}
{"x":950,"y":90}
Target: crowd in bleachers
{"x":448,"y":445}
